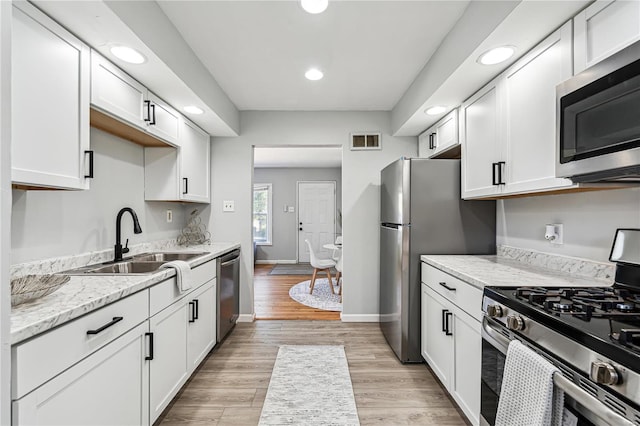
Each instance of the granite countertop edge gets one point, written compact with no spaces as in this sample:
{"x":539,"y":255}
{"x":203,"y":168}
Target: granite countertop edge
{"x":494,"y":271}
{"x":84,"y":294}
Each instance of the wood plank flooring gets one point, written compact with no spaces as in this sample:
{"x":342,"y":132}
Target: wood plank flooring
{"x":272,"y":301}
{"x":230,"y":386}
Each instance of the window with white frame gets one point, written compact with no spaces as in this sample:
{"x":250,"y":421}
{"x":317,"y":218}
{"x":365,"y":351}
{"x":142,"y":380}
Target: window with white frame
{"x":262,"y":213}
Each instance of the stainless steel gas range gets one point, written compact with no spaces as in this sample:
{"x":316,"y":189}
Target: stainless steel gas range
{"x":591,"y":334}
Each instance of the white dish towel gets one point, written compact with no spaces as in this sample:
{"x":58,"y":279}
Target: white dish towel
{"x":528,"y":396}
{"x":183,"y":274}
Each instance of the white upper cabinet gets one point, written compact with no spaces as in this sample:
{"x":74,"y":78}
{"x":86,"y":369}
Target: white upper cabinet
{"x":50,"y":103}
{"x":530,"y":114}
{"x":604,"y":28}
{"x":480,"y":123}
{"x":508,"y":128}
{"x":439,"y":138}
{"x":179,"y":174}
{"x":162,"y":120}
{"x":115,"y":93}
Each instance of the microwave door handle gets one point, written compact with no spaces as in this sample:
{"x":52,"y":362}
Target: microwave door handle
{"x":592,"y":404}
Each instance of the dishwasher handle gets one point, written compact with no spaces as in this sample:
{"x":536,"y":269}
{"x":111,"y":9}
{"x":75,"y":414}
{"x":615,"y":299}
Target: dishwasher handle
{"x":230,"y":258}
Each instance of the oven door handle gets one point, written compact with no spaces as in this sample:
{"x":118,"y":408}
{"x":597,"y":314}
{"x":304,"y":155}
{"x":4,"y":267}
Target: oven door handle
{"x":493,"y":336}
{"x":594,"y":405}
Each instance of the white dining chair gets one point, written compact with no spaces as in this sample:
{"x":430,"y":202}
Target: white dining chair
{"x":320,"y":265}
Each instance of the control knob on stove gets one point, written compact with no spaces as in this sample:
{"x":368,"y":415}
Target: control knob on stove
{"x":604,"y":373}
{"x":515,"y":322}
{"x":494,"y":311}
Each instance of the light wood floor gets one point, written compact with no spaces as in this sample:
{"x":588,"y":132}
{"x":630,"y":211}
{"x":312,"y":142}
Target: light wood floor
{"x":230,"y":386}
{"x":272,"y":301}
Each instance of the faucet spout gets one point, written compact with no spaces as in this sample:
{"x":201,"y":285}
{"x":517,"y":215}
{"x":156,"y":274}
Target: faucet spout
{"x":118,"y":250}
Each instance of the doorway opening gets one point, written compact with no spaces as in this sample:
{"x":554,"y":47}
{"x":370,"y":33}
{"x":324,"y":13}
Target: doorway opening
{"x":297,"y":197}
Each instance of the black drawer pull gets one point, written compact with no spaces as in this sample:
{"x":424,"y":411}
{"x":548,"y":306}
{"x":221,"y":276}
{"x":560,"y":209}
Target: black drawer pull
{"x":150,"y":356}
{"x":443,"y":284}
{"x":197,"y":311}
{"x":90,"y":175}
{"x":186,"y":185}
{"x":446,"y":321}
{"x":107,"y":325}
{"x":192,"y":312}
{"x":444,"y":316}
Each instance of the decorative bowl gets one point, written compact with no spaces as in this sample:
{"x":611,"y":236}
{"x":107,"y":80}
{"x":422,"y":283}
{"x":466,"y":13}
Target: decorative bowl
{"x":30,"y":287}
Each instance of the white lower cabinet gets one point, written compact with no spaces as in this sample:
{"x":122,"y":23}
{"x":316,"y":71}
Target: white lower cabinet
{"x":111,"y":387}
{"x":168,"y":366}
{"x":201,"y":329}
{"x":451,"y":340}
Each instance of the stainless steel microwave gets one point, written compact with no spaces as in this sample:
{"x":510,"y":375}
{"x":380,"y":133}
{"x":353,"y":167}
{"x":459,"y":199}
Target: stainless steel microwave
{"x":598,"y":121}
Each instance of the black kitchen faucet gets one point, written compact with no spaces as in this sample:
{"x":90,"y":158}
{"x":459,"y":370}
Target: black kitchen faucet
{"x":136,"y":230}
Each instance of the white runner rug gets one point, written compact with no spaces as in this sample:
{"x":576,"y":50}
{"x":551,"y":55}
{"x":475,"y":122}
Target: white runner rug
{"x":310,"y":385}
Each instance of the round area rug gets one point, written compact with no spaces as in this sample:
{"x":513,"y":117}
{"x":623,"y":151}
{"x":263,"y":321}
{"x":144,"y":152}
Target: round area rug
{"x":321,"y":297}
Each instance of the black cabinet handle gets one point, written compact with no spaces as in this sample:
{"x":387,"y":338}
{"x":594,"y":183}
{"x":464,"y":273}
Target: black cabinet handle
{"x":431,"y":141}
{"x":447,"y":316}
{"x":150,"y":356}
{"x":444,"y":319}
{"x":147,"y":105}
{"x":186,"y":185}
{"x":90,"y":175}
{"x":153,"y":115}
{"x":196,"y":310}
{"x":192,"y":313}
{"x":447,"y":287}
{"x":500,"y":167}
{"x":107,"y":325}
{"x":494,"y":174}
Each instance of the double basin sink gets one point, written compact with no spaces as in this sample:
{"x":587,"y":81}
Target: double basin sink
{"x":145,"y":263}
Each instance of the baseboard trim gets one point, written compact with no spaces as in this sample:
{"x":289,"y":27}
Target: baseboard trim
{"x":273,"y":262}
{"x":360,"y":318}
{"x":246,"y":318}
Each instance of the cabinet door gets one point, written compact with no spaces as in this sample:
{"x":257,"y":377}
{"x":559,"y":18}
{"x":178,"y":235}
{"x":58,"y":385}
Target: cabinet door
{"x":49,"y":103}
{"x":164,"y":121}
{"x":604,"y":28}
{"x":115,"y":93}
{"x":446,"y":133}
{"x":168,"y":368}
{"x":426,"y":143}
{"x":201,"y":331}
{"x":530,"y":114}
{"x":467,"y":357}
{"x":439,"y":345}
{"x":481,"y":142}
{"x":110,"y":387}
{"x":194,"y":163}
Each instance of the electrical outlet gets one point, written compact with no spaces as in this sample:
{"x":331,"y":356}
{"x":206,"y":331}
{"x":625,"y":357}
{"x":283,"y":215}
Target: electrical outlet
{"x":228,"y":206}
{"x":554,"y":233}
{"x":169,"y":216}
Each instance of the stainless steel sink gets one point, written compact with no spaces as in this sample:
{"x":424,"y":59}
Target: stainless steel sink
{"x":166,"y":257}
{"x":130,"y":267}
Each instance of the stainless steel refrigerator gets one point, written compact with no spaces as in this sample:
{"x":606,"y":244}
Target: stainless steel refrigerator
{"x":421,"y":213}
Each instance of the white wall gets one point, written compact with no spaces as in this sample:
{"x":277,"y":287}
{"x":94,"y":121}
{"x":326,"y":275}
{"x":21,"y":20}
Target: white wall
{"x":284,"y":239}
{"x":589,"y":218}
{"x":56,"y":223}
{"x":232,"y":172}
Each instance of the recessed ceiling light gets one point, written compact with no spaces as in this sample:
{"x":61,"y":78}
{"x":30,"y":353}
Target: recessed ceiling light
{"x":192,"y":109}
{"x":496,"y":55}
{"x":314,"y":6}
{"x":435,"y":110}
{"x":314,"y":74}
{"x":128,"y":54}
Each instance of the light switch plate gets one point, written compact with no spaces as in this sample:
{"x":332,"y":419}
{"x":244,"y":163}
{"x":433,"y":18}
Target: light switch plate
{"x":228,"y":206}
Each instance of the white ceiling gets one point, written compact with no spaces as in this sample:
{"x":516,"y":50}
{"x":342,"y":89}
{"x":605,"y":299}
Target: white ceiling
{"x":297,"y":157}
{"x":369,"y":51}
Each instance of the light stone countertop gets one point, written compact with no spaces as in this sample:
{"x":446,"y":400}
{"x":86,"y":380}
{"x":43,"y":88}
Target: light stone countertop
{"x":497,"y":271}
{"x":85,"y":293}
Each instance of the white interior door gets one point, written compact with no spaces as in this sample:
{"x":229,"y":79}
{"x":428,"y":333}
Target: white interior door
{"x":316,"y":217}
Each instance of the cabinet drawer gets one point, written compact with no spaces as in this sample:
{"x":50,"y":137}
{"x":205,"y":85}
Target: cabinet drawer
{"x":465,"y":296}
{"x":165,"y":293}
{"x":40,"y":359}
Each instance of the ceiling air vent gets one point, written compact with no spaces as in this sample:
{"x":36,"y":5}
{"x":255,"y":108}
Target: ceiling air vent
{"x":365,"y":141}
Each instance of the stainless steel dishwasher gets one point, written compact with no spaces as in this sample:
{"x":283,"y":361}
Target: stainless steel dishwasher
{"x":228,"y":292}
